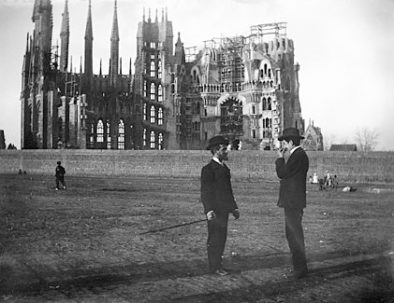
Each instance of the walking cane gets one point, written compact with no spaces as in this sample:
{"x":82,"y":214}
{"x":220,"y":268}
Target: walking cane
{"x":173,"y":226}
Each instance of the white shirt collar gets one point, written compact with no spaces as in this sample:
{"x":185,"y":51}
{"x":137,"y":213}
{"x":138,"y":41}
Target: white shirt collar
{"x":216,"y":159}
{"x":294,"y":148}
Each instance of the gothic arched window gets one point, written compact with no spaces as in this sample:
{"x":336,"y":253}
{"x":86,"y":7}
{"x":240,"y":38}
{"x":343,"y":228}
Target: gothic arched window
{"x":152,"y":114}
{"x":92,"y":135}
{"x":161,"y":141}
{"x":121,"y":135}
{"x":152,"y":68}
{"x":264,"y":104}
{"x":231,"y":120}
{"x":108,"y":136}
{"x":152,"y":140}
{"x":160,"y":116}
{"x":152,"y":92}
{"x":100,"y":131}
{"x":160,"y":93}
{"x":159,"y":69}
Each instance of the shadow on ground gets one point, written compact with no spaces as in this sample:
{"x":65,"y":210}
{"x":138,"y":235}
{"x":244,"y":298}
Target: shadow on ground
{"x":129,"y":274}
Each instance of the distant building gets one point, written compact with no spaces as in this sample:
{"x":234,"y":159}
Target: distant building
{"x":343,"y":147}
{"x":313,"y":138}
{"x":2,"y":139}
{"x":243,"y":87}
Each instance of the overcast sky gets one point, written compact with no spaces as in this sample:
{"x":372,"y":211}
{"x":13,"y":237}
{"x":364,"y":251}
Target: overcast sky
{"x":345,"y":49}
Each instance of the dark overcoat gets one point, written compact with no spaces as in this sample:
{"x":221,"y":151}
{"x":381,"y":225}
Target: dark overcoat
{"x":216,"y":190}
{"x":292,"y":174}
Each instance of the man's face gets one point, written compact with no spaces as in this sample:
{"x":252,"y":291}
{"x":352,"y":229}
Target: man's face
{"x":222,"y":153}
{"x":288,"y":145}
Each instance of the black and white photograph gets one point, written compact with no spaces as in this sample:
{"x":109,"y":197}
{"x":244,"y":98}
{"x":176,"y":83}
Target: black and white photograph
{"x":196,"y":151}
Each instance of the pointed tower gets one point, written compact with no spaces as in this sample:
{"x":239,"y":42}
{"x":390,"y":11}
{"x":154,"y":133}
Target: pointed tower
{"x":64,"y":39}
{"x":179,"y":51}
{"x":39,"y":135}
{"x":25,"y":94}
{"x":114,"y":62}
{"x":89,"y":46}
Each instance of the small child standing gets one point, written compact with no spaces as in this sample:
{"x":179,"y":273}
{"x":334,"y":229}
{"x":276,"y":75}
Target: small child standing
{"x":59,"y":173}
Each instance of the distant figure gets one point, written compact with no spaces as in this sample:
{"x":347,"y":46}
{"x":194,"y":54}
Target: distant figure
{"x":321,"y":184}
{"x":327,"y":180}
{"x":335,"y":182}
{"x":315,"y":179}
{"x":59,"y":173}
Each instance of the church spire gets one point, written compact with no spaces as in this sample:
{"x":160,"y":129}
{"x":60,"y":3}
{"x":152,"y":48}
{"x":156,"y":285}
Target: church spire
{"x":89,"y":44}
{"x":36,"y":9}
{"x":64,"y":38}
{"x":114,"y":66}
{"x":115,"y":27}
{"x":27,"y":43}
{"x":179,"y":51}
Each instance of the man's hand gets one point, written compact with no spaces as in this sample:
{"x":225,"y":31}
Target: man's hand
{"x":280,"y":152}
{"x":236,"y":214}
{"x":211,"y":215}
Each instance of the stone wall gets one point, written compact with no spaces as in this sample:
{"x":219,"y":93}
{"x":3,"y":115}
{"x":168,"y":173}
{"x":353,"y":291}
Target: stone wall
{"x":349,"y":166}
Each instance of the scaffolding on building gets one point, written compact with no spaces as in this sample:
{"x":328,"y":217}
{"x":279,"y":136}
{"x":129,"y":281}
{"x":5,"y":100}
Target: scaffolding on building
{"x":229,"y":50}
{"x":230,"y":61}
{"x":191,"y":53}
{"x":260,"y":31}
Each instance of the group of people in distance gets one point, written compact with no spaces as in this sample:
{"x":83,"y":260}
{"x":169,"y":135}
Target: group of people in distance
{"x":328,"y":181}
{"x":218,"y":199}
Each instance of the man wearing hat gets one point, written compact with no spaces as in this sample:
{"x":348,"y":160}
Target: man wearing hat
{"x":292,"y":195}
{"x":218,"y":201}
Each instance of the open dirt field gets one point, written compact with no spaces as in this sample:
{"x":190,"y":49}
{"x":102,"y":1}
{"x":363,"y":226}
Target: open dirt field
{"x":83,"y":244}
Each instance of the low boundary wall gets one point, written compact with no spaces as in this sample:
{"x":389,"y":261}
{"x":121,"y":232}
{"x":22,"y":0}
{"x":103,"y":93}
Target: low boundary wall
{"x":349,"y":166}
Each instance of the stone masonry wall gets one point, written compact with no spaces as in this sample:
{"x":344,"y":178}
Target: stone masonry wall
{"x":349,"y":166}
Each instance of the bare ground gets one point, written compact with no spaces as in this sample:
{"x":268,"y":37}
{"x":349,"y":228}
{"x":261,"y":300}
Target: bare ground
{"x":83,"y":244}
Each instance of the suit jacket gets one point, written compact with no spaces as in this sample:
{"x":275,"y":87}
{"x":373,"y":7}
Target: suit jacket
{"x":216,"y":190}
{"x":292,"y":174}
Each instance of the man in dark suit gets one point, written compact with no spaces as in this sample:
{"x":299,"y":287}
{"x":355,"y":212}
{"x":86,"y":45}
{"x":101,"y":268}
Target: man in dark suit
{"x":292,"y":195}
{"x":218,"y":201}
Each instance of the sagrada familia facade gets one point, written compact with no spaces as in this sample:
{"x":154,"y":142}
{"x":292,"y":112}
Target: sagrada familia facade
{"x":243,"y":87}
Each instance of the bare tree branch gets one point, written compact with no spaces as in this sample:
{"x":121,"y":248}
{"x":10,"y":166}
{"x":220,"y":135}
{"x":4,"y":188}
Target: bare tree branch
{"x":367,"y":139}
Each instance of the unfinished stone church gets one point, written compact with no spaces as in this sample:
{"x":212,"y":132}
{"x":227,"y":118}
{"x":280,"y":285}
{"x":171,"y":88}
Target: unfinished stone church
{"x":243,"y":87}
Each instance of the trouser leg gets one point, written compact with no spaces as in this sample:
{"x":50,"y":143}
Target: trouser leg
{"x":295,"y":238}
{"x":57,"y":183}
{"x":62,"y":181}
{"x":217,"y":235}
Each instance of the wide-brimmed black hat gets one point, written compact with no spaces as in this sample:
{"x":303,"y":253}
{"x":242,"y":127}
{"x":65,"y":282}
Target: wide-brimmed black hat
{"x":289,"y":133}
{"x":217,"y":140}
